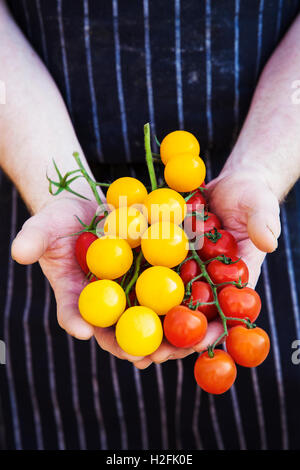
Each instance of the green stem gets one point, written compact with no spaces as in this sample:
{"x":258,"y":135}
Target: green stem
{"x":239,"y":285}
{"x":190,"y":283}
{"x":135,"y":275}
{"x":149,"y":158}
{"x":183,"y":262}
{"x":91,"y":182}
{"x":105,"y":185}
{"x":216,"y":300}
{"x":187,"y":198}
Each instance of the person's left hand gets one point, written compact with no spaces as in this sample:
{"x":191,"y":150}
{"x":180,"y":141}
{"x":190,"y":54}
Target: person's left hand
{"x":250,"y":211}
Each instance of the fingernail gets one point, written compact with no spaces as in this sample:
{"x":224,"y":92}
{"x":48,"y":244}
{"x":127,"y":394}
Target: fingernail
{"x":275,"y":238}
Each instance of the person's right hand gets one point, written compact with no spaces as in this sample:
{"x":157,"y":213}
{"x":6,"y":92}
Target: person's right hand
{"x":44,"y":238}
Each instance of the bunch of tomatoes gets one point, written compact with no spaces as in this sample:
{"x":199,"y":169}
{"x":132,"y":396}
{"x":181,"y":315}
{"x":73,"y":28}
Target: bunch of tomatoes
{"x":160,"y":265}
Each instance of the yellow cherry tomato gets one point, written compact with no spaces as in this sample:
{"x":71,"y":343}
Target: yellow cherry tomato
{"x":139,"y":331}
{"x":165,"y":204}
{"x":101,"y":303}
{"x":164,"y":244}
{"x":109,"y":258}
{"x":128,"y":223}
{"x":185,"y":173}
{"x":126,"y":191}
{"x":178,"y":142}
{"x":160,"y":289}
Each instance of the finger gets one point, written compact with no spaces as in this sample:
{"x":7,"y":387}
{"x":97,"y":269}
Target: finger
{"x":32,"y":241}
{"x":143,"y":364}
{"x":168,"y":351}
{"x":214,"y":330}
{"x":264,"y":223}
{"x":164,"y":351}
{"x":181,"y":353}
{"x":106,"y":339}
{"x":69,"y":318}
{"x":253,"y":258}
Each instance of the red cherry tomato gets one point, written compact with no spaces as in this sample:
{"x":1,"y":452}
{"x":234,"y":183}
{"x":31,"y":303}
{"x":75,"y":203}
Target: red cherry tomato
{"x":184,"y":327}
{"x":193,"y":225}
{"x":196,"y":202}
{"x":202,"y":292}
{"x":220,"y":272}
{"x":214,"y":246}
{"x":84,"y":240}
{"x":215,"y":374}
{"x":211,"y":222}
{"x":248,"y":347}
{"x":189,"y":270}
{"x":239,"y":303}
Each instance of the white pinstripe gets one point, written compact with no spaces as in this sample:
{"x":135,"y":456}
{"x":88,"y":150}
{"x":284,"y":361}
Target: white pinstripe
{"x":75,"y":394}
{"x":277,"y":359}
{"x":51,"y":370}
{"x":28,"y":360}
{"x":148,"y":69}
{"x":28,"y":25}
{"x":119,"y":405}
{"x":43,"y":36}
{"x":141,"y":405}
{"x":259,"y":409}
{"x":7,"y":311}
{"x":291,"y":272}
{"x":208,"y":85}
{"x":119,"y":79}
{"x":196,"y":414}
{"x":64,"y":55}
{"x":215,"y":422}
{"x":236,"y":105}
{"x":238,"y":419}
{"x":96,"y":395}
{"x":178,"y":65}
{"x":237,"y":415}
{"x":178,"y":404}
{"x":259,"y":35}
{"x":162,"y":405}
{"x":278,"y":20}
{"x":88,"y":54}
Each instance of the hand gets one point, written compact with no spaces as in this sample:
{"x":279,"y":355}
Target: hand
{"x":44,"y":238}
{"x":250,"y":211}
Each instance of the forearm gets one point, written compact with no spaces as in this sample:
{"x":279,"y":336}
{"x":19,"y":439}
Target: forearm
{"x":269,"y":142}
{"x":34,"y":123}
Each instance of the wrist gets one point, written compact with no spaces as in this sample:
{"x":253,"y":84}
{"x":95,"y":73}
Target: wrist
{"x":36,"y":202}
{"x":64,"y":181}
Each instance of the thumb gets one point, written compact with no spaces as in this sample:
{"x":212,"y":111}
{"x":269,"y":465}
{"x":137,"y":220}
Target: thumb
{"x":263,"y":221}
{"x":32,"y":241}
